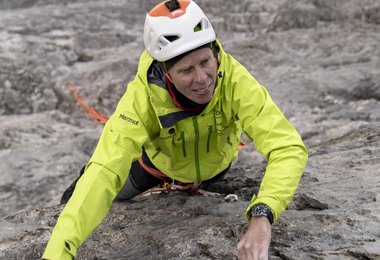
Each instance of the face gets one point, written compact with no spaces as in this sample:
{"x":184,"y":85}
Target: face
{"x":195,"y":75}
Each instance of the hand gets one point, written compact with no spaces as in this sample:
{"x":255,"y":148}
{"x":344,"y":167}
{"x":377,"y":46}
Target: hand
{"x":255,"y":243}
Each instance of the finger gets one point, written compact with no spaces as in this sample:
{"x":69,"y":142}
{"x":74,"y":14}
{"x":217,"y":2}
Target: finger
{"x":242,"y":254}
{"x":255,"y":255}
{"x":263,"y":255}
{"x":245,"y":251}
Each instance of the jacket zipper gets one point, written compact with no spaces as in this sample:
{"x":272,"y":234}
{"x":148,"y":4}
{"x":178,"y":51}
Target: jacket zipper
{"x":209,"y":138}
{"x":229,"y":141}
{"x":158,"y":150}
{"x":196,"y":150}
{"x":182,"y":138}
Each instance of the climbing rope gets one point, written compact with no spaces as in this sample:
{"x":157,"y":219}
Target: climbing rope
{"x":95,"y":115}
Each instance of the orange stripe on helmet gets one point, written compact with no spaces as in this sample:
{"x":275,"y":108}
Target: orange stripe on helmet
{"x":162,"y":10}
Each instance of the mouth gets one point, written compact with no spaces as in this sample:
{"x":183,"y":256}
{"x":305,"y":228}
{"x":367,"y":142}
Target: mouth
{"x":203,"y":90}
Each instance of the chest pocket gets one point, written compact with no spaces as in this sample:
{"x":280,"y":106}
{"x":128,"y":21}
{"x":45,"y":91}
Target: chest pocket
{"x":172,"y":139}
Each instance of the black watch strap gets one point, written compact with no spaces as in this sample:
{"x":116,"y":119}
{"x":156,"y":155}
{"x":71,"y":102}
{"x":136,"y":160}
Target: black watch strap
{"x":262,"y":210}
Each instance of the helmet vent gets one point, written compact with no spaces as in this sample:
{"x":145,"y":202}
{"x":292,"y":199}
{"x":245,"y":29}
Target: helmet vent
{"x":203,"y":24}
{"x":171,"y":38}
{"x":165,"y":40}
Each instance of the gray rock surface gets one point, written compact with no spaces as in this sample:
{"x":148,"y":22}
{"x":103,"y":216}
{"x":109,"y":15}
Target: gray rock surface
{"x":319,"y":59}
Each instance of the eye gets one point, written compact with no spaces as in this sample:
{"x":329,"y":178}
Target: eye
{"x":205,"y":61}
{"x":187,"y":70}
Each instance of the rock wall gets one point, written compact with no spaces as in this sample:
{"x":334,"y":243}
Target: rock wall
{"x":320,"y":61}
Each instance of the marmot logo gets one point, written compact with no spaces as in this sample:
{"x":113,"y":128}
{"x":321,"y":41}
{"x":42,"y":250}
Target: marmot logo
{"x":128,"y":119}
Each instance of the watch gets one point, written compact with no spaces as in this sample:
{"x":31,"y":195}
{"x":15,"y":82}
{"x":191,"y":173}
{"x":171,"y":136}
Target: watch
{"x":262,"y":210}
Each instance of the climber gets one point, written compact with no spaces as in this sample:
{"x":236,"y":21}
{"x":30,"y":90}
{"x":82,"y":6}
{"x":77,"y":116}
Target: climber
{"x":182,"y":117}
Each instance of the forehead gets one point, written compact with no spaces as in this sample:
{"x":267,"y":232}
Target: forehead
{"x":193,"y":57}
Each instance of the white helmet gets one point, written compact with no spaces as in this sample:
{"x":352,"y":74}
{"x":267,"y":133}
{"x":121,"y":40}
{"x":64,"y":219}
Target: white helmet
{"x":175,"y":27}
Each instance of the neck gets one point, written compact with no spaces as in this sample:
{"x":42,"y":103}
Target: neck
{"x":183,"y":102}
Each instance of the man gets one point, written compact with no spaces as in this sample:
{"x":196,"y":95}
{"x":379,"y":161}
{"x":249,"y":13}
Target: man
{"x":181,"y":119}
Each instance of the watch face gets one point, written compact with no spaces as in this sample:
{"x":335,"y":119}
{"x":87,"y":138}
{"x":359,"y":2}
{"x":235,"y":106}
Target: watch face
{"x":262,"y":210}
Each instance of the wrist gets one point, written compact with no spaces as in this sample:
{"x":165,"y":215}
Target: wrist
{"x":262,"y":210}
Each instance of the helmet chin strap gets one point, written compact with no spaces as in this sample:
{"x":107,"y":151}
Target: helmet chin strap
{"x":169,"y":77}
{"x":167,"y":74}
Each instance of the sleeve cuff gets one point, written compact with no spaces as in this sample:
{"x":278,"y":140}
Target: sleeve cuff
{"x":59,"y":249}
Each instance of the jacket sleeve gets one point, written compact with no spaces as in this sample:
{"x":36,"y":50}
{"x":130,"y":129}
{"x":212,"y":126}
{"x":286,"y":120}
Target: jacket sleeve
{"x":119,"y":145}
{"x":276,"y":139}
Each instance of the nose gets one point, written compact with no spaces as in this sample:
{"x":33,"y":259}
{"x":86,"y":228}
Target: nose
{"x":200,"y":75}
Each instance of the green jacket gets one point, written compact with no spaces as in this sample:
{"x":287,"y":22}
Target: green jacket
{"x":185,"y":146}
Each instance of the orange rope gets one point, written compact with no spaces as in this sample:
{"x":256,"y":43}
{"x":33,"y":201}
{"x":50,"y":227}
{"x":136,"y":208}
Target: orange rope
{"x":95,"y":115}
{"x":190,"y":188}
{"x":241,"y":145}
{"x":154,"y":172}
{"x":168,"y":185}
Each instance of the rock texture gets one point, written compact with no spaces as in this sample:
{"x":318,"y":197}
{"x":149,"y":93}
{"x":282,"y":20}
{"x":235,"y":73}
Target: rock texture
{"x":320,"y":61}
